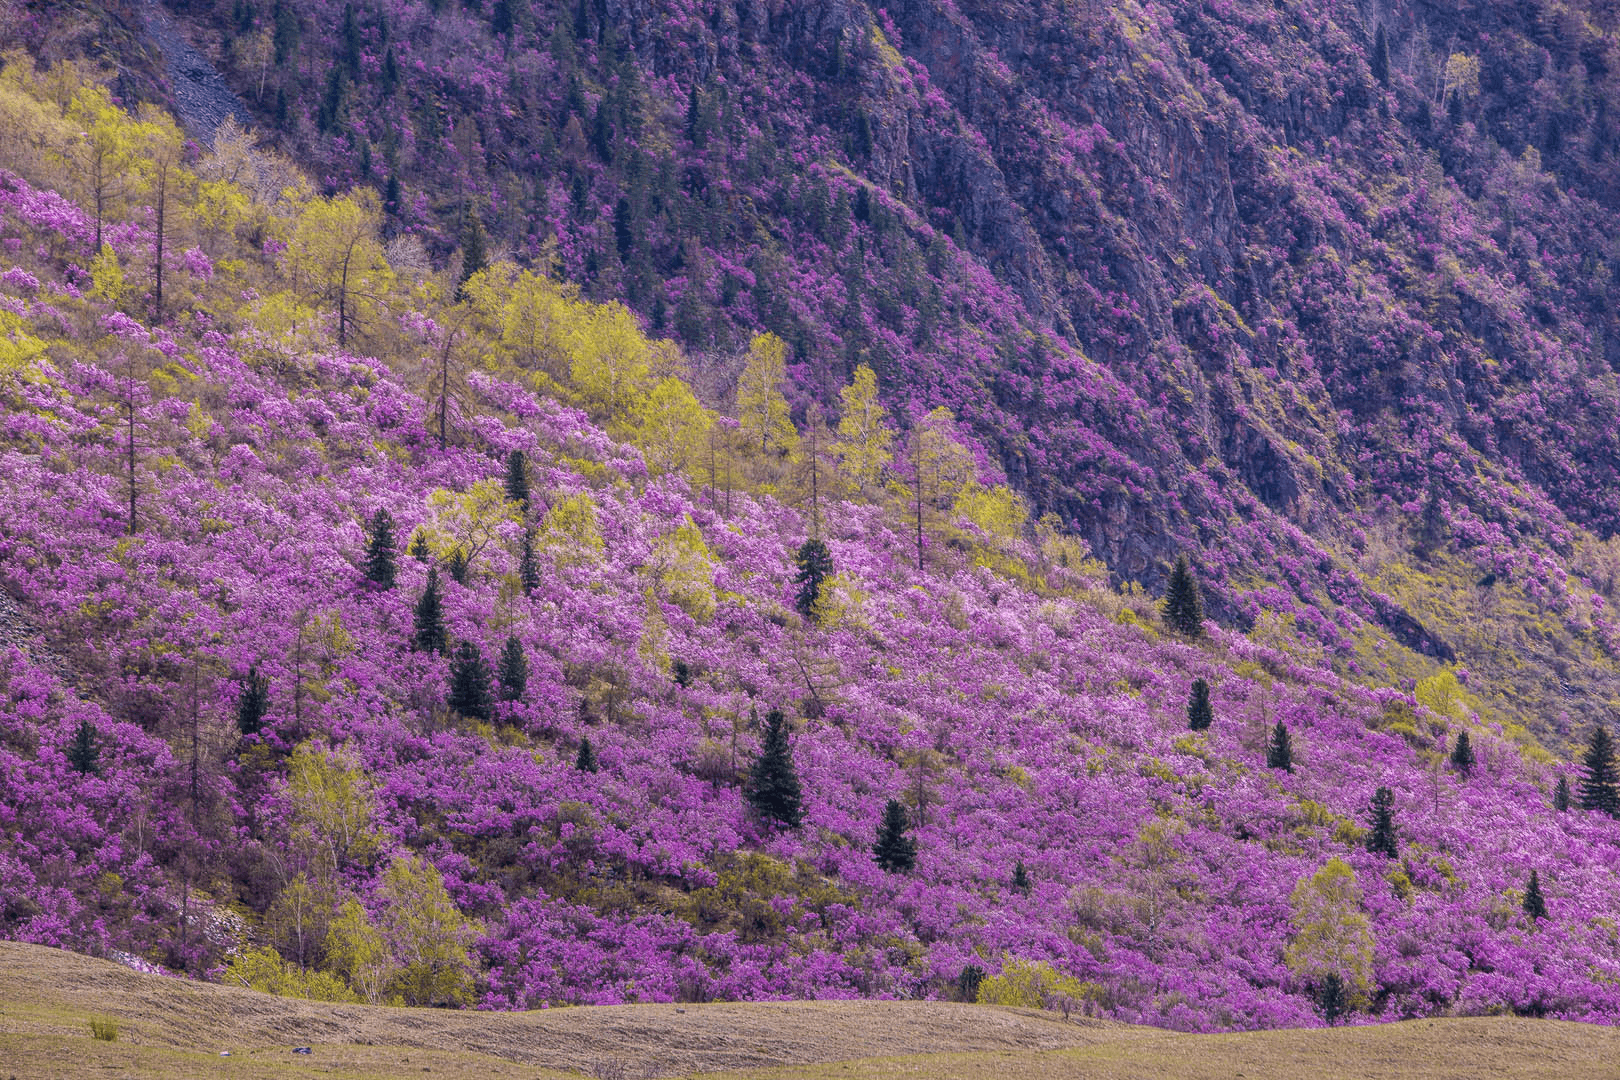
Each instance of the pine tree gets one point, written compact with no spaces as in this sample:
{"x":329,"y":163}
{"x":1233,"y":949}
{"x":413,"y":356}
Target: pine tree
{"x":1183,"y":610}
{"x":84,"y":753}
{"x":457,"y":564}
{"x":624,"y":234}
{"x":474,"y":251}
{"x":773,"y":784}
{"x":1599,"y":789}
{"x":380,"y":550}
{"x":967,"y":983}
{"x":1020,"y":878}
{"x":528,"y":566}
{"x":252,"y":703}
{"x":469,"y":683}
{"x":1381,"y":835}
{"x":1535,"y":905}
{"x":815,"y":566}
{"x":894,"y":851}
{"x":513,"y":670}
{"x":1200,"y":714}
{"x":1380,"y":56}
{"x":1331,"y":998}
{"x":517,"y":479}
{"x":585,"y":760}
{"x":1280,"y":750}
{"x":430,"y":634}
{"x":1561,"y":795}
{"x":1462,"y":755}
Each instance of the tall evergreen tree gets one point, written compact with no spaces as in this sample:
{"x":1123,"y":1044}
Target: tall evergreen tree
{"x":1020,"y":878}
{"x":1600,"y":789}
{"x":1462,"y":754}
{"x":815,"y":567}
{"x":419,"y":547}
{"x":517,"y":479}
{"x":894,"y":851}
{"x":585,"y":760}
{"x":1183,"y":610}
{"x":1332,"y":998}
{"x":1280,"y":750}
{"x":513,"y":671}
{"x":430,"y":633}
{"x":474,"y":250}
{"x":84,"y":752}
{"x":773,"y":783}
{"x":469,"y":683}
{"x":457,"y":565}
{"x":253,"y":702}
{"x":380,"y":550}
{"x":1561,"y":795}
{"x":1381,"y":819}
{"x":1200,"y":714}
{"x":1380,"y":56}
{"x":1535,"y":905}
{"x":528,"y":565}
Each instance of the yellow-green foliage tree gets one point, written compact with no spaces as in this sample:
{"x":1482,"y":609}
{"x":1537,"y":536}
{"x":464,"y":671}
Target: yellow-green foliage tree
{"x":609,"y":367}
{"x":533,"y":316}
{"x":569,"y":531}
{"x":332,"y":811}
{"x":429,"y":937}
{"x":467,"y":522}
{"x":941,"y":469}
{"x":762,"y":410}
{"x":357,"y":950}
{"x":865,"y":443}
{"x":685,"y":568}
{"x":1034,"y":984}
{"x":264,"y":969}
{"x":1332,"y":935}
{"x":672,"y":427}
{"x":334,"y":257}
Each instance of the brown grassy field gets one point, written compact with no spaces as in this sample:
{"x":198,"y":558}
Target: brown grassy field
{"x":174,"y":1029}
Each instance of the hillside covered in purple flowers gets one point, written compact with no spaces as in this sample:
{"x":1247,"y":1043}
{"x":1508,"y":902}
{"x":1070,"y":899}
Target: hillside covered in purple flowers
{"x":671,"y":503}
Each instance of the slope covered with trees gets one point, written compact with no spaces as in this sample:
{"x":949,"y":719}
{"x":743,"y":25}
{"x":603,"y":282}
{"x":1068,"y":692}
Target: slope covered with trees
{"x":396,"y":634}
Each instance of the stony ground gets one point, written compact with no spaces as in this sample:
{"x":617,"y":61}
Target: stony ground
{"x":201,"y":95}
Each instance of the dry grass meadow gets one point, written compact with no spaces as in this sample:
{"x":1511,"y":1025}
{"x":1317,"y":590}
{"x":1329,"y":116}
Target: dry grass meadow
{"x":174,"y":1029}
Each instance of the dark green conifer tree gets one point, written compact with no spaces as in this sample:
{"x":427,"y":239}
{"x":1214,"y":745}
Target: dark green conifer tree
{"x":430,"y":633}
{"x":1020,"y":878}
{"x":457,"y":564}
{"x":585,"y":760}
{"x":351,"y":40}
{"x":253,"y":702}
{"x":1535,"y":905}
{"x":1280,"y":750}
{"x":84,"y":752}
{"x":474,"y":250}
{"x":1183,"y":610}
{"x":517,"y":479}
{"x":773,"y":783}
{"x":528,"y":565}
{"x":1599,"y":787}
{"x":1462,"y":754}
{"x":513,"y":671}
{"x":1380,"y":56}
{"x":1200,"y":714}
{"x":894,"y":851}
{"x":1381,"y":822}
{"x":624,"y":228}
{"x":470,"y":694}
{"x":419,"y":548}
{"x":1332,"y":998}
{"x":380,"y":550}
{"x":1561,"y":795}
{"x":815,"y":567}
{"x":967,"y":983}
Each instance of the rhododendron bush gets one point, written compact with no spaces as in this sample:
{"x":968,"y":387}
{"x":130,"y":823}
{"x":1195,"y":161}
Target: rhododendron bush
{"x":186,"y":504}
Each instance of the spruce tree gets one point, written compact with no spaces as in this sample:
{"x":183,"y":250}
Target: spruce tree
{"x":1183,"y":610}
{"x":1020,"y":878}
{"x":1280,"y":750}
{"x":528,"y":565}
{"x":419,"y":548}
{"x":470,"y":693}
{"x":517,"y":479}
{"x":815,"y":567}
{"x":1381,"y":834}
{"x":1561,"y":795}
{"x":457,"y":565}
{"x":894,"y":851}
{"x":585,"y":760}
{"x":253,"y":702}
{"x":967,"y":983}
{"x":513,"y":670}
{"x":474,"y":251}
{"x":1200,"y":714}
{"x":430,"y":635}
{"x":1535,"y":905}
{"x":1380,"y":56}
{"x":84,"y":752}
{"x":380,"y":550}
{"x":1331,"y":998}
{"x":1599,"y":789}
{"x":773,"y":784}
{"x":1462,"y":755}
